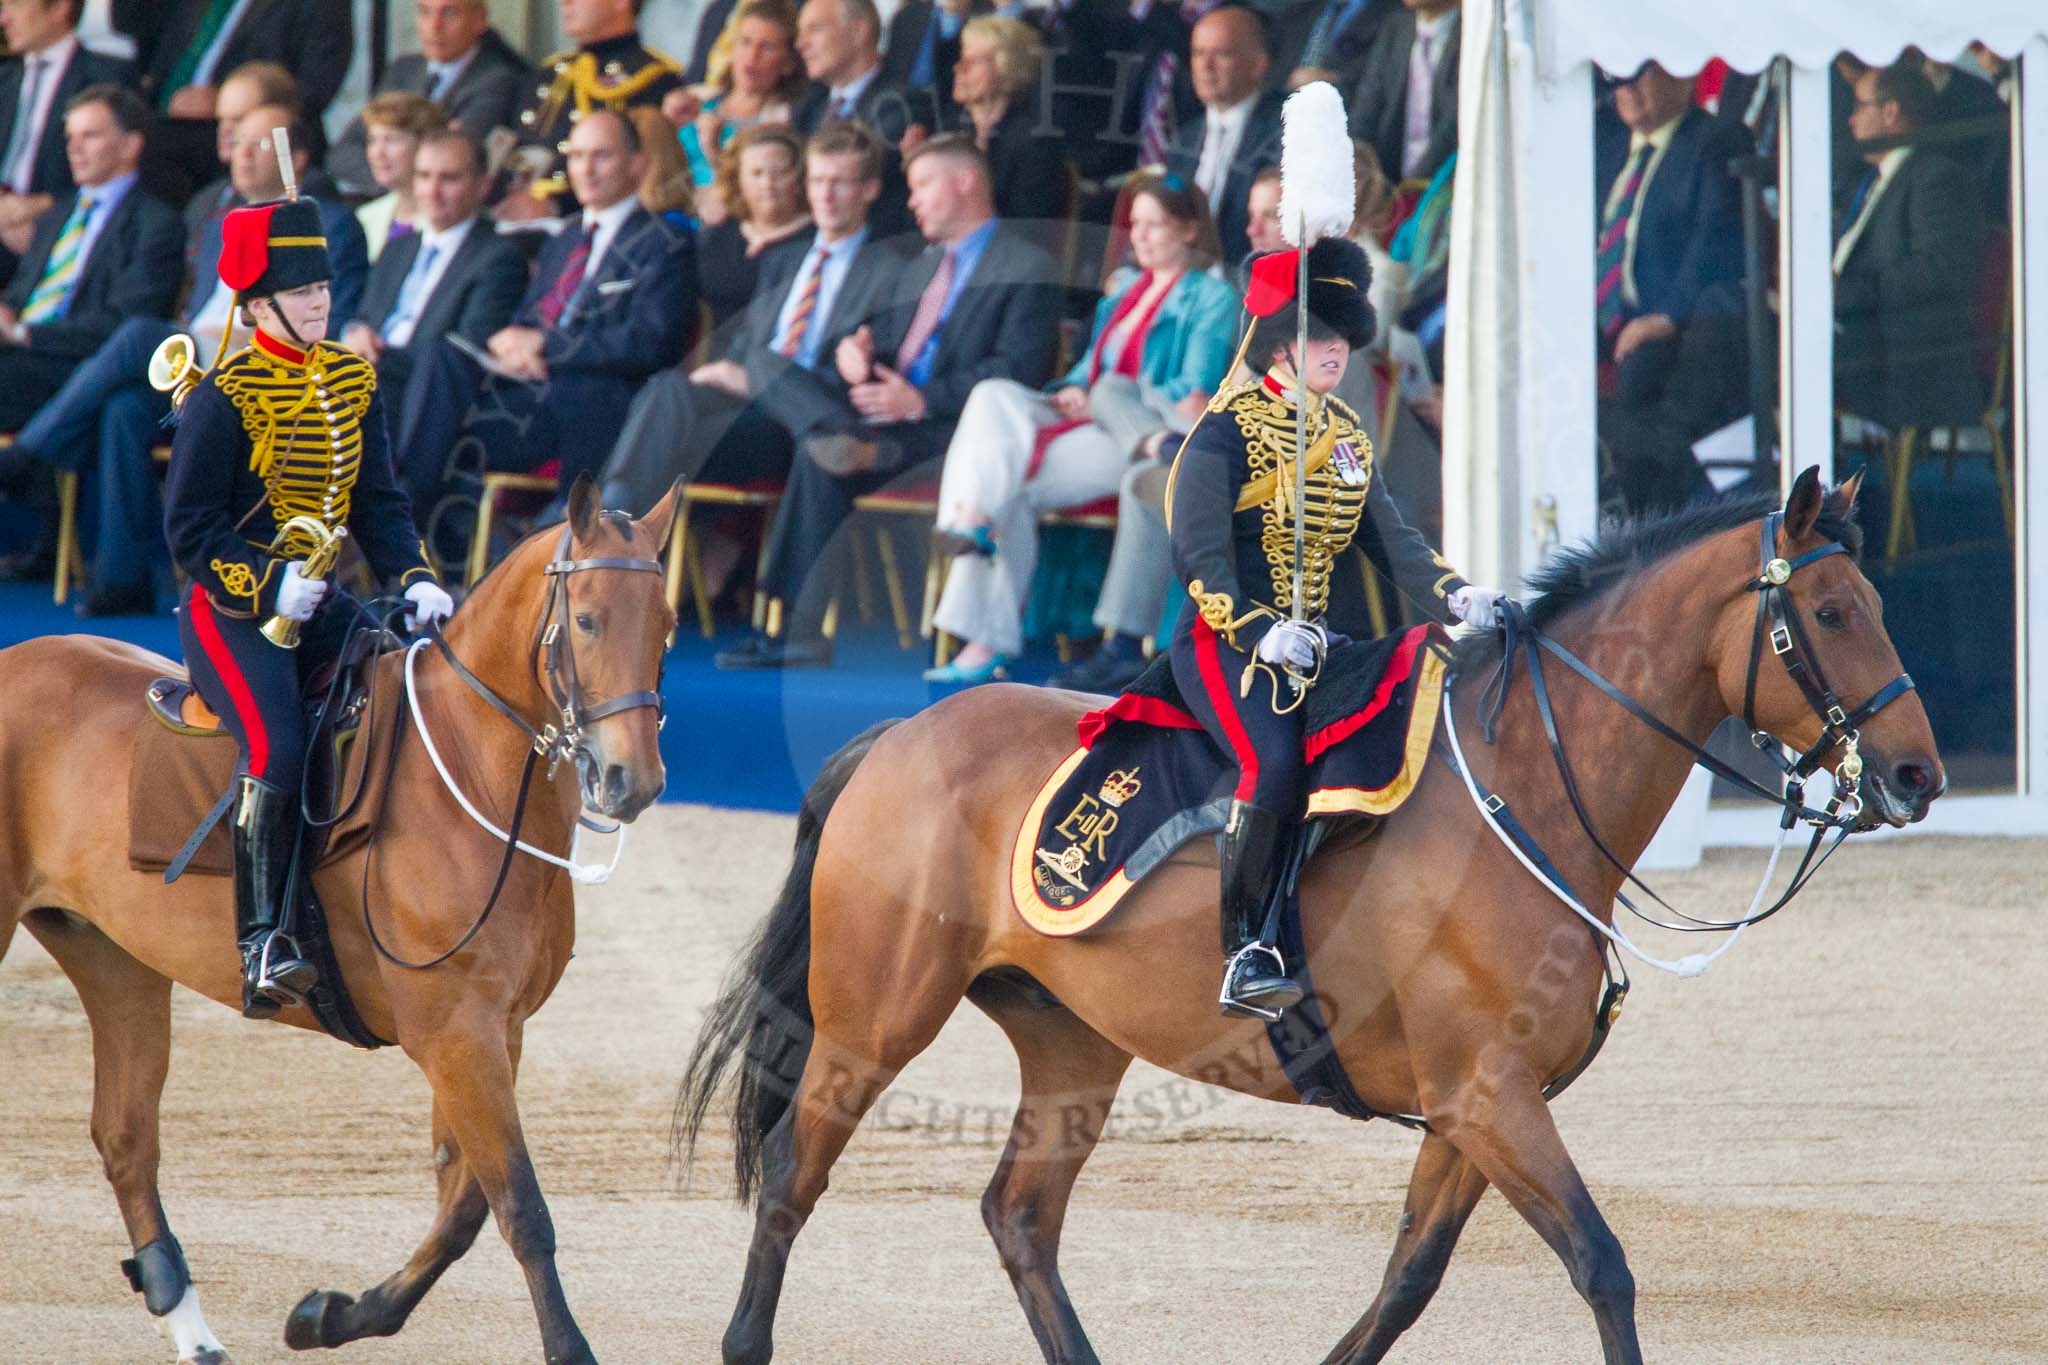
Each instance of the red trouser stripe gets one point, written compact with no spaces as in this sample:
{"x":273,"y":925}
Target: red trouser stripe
{"x":1209,"y":663}
{"x":207,"y":628}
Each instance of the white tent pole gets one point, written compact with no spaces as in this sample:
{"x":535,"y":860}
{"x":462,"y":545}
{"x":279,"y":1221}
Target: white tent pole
{"x":1806,"y":276}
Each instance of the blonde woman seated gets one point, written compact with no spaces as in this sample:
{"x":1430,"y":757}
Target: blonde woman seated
{"x":1162,"y":340}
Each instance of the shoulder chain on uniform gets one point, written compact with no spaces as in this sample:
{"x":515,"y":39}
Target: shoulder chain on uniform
{"x":1331,"y":507}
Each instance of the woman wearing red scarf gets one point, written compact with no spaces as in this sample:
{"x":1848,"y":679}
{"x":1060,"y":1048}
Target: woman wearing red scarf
{"x":1162,"y":341}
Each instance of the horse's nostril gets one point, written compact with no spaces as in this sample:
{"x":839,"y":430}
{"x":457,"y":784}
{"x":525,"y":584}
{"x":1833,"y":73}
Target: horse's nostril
{"x":615,"y":781}
{"x":1910,"y":779}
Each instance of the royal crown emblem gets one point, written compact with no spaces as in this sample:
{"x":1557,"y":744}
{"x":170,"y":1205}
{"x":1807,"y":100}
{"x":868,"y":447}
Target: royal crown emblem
{"x":1119,"y":787}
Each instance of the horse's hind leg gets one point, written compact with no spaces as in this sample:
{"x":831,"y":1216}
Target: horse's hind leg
{"x":327,"y":1318}
{"x":1441,"y":1195}
{"x":1070,"y":1075}
{"x":129,"y":1007}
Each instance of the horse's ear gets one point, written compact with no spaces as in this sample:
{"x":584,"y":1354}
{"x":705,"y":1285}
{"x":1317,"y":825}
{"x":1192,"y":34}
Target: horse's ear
{"x":1849,"y":488}
{"x":1802,"y":509}
{"x":662,"y":515}
{"x":584,"y":507}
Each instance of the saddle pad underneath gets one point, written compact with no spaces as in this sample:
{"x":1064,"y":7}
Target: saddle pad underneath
{"x":1146,"y":778}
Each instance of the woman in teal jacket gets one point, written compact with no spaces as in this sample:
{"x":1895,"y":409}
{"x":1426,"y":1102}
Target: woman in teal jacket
{"x":1161,"y":344}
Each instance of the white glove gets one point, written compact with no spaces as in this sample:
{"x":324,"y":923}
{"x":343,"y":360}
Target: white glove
{"x":1477,"y":606}
{"x":1294,"y":643}
{"x":298,"y":597}
{"x":430,"y":603}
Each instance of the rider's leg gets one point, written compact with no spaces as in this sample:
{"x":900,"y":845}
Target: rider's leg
{"x":253,"y":685}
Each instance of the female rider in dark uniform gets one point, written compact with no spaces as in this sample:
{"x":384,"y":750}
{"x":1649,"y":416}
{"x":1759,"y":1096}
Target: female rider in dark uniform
{"x":288,"y":426}
{"x":1240,"y":658}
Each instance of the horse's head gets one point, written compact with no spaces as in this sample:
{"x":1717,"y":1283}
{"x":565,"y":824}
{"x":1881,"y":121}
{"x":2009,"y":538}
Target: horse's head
{"x":598,"y":654}
{"x":1803,"y":655}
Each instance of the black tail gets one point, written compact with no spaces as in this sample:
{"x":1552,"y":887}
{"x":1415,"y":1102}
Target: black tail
{"x":764,"y":1007}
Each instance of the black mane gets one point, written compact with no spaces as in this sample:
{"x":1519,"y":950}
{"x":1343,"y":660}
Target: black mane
{"x":1624,"y":549}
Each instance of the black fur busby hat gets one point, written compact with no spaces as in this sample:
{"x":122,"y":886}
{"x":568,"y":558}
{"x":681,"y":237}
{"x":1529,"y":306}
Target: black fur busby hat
{"x":1339,"y":273}
{"x":269,"y":248}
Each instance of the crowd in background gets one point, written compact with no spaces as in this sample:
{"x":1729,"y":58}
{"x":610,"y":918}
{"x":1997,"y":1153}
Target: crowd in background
{"x":990,"y":254}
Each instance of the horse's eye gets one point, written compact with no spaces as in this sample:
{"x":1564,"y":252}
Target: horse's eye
{"x":1830,"y":617}
{"x":586,"y":623}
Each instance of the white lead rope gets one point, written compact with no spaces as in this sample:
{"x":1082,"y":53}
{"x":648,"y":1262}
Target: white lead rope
{"x":588,"y":874}
{"x":1692,"y":964}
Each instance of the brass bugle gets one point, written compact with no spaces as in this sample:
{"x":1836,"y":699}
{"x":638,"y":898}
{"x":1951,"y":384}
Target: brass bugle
{"x":174,"y":367}
{"x":282,"y":631}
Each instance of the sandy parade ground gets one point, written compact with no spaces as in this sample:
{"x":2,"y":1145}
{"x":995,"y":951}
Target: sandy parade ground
{"x":1828,"y":1149}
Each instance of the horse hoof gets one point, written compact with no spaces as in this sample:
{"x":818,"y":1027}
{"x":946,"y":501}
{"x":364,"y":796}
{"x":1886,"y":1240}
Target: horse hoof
{"x":311,"y":1325}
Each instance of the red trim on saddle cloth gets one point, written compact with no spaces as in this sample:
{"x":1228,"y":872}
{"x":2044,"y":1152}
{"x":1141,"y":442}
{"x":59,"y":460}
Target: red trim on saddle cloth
{"x":207,"y":628}
{"x":1210,"y":664}
{"x":1145,"y":710}
{"x":1399,"y":669}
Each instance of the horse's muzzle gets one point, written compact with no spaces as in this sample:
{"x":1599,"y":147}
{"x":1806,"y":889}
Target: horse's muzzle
{"x":620,"y":791}
{"x":1900,"y":792}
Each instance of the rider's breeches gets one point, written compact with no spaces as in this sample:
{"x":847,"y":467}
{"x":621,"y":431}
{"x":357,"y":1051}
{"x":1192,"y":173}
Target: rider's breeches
{"x":1268,"y":747}
{"x":256,"y":687}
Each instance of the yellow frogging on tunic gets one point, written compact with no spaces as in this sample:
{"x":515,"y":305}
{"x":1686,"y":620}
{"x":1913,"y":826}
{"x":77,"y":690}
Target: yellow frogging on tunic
{"x":305,"y":430}
{"x":1331,"y":508}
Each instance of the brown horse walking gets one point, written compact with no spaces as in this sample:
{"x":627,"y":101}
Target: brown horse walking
{"x":69,"y":708}
{"x":1457,"y":984}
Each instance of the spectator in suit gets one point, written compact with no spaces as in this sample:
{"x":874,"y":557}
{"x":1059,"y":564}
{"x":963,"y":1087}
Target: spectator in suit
{"x":1162,"y":341}
{"x":106,"y":417}
{"x":455,"y":276}
{"x":924,"y":44}
{"x":1327,"y":40}
{"x":997,"y":61}
{"x":1406,"y":100}
{"x":980,"y":303}
{"x":1117,"y":85}
{"x":1906,"y":256}
{"x":201,"y":40}
{"x":761,"y":184}
{"x":761,"y":84}
{"x":1670,"y":223}
{"x":396,"y":122}
{"x":250,"y":86}
{"x":1239,"y":130}
{"x":613,"y":300}
{"x":839,"y":41}
{"x":464,"y":65}
{"x":717,"y":422}
{"x":47,"y":70}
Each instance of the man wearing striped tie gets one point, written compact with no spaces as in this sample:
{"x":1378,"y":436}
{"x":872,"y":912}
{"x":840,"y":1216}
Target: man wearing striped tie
{"x":104,"y":252}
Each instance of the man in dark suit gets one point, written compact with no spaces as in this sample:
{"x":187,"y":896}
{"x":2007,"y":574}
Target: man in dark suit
{"x":1327,"y":40}
{"x":924,"y":43}
{"x":717,"y":421}
{"x":1406,"y":101}
{"x":1117,"y":82}
{"x":1239,"y":130}
{"x":454,"y":276}
{"x":980,"y":303}
{"x":463,"y":65}
{"x":613,"y":300}
{"x":48,"y":69}
{"x":1907,"y":253}
{"x":839,"y":41}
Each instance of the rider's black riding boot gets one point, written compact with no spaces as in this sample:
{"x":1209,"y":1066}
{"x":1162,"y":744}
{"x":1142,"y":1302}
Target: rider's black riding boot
{"x":266,"y":836}
{"x":1255,"y":981}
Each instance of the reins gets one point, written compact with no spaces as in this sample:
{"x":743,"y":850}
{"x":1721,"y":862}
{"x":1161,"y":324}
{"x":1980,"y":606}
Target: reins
{"x":554,"y":656}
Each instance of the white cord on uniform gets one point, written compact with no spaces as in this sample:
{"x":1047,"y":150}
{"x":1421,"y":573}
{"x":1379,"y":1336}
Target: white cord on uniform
{"x":588,"y":874}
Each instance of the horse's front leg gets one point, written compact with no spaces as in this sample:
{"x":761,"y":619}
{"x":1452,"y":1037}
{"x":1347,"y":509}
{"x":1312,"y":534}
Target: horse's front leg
{"x":472,"y":1070}
{"x":1499,"y":1119}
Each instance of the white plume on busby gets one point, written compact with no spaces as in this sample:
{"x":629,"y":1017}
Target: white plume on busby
{"x":1318,"y":178}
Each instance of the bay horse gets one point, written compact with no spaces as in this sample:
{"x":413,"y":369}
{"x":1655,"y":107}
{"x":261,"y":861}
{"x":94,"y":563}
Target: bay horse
{"x":69,"y":708}
{"x":1456,"y":984}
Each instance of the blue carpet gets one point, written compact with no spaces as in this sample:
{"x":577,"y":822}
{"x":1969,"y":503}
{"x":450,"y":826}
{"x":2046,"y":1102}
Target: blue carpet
{"x":748,"y":740}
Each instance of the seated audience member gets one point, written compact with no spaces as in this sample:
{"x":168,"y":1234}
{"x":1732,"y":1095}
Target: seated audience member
{"x":761,"y":83}
{"x":665,"y":188}
{"x":839,"y":41}
{"x":980,"y":303}
{"x":609,"y":68}
{"x":396,"y":123}
{"x":106,"y":416}
{"x":761,"y":177}
{"x":997,"y":66}
{"x":613,"y":300}
{"x":1906,"y":256}
{"x":1406,"y":100}
{"x":923,"y":46}
{"x":1239,"y":130}
{"x":464,"y":65}
{"x":1116,"y":83}
{"x":1162,"y":341}
{"x":455,"y":276}
{"x":1670,"y":222}
{"x":1327,"y":40}
{"x":711,"y":48}
{"x":718,"y":421}
{"x":248,"y":87}
{"x":46,"y":69}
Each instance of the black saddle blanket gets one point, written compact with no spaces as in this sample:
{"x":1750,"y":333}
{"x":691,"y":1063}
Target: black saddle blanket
{"x":1146,"y":778}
